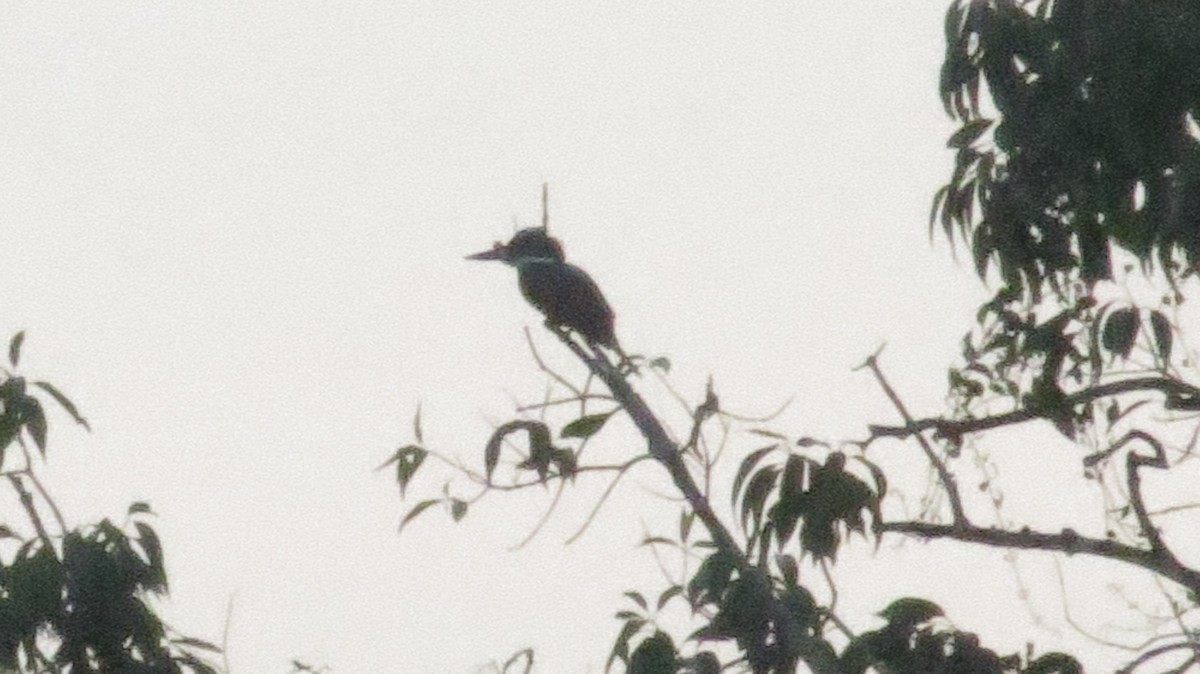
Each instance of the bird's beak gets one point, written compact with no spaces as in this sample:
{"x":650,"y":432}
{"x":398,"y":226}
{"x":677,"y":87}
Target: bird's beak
{"x":497,"y":252}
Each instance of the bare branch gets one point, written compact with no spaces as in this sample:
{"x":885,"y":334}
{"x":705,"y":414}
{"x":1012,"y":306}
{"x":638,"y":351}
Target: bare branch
{"x":949,"y":484}
{"x":1134,"y":461}
{"x":537,"y":358}
{"x":1142,"y":659}
{"x":1179,"y":396}
{"x":604,"y":497}
{"x":562,"y":486}
{"x":1068,"y":541}
{"x":563,"y":401}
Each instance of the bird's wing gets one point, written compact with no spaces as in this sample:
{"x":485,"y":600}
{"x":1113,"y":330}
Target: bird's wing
{"x":568,"y":297}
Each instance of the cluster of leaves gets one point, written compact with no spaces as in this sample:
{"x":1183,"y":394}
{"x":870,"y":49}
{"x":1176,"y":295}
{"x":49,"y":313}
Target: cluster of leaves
{"x":915,"y":641}
{"x":1036,"y":361}
{"x":23,"y":414}
{"x":1094,"y":138}
{"x":545,"y":459}
{"x":77,"y":601}
{"x":91,"y":599}
{"x":773,"y":620}
{"x":821,"y":498}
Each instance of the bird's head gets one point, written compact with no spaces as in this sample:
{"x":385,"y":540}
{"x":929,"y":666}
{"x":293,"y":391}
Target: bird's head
{"x":525,"y":246}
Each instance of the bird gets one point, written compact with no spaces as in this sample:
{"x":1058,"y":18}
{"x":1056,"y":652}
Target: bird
{"x":562,"y":292}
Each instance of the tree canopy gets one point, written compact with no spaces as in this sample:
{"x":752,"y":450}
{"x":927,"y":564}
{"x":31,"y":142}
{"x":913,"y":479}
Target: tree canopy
{"x":1076,"y":169}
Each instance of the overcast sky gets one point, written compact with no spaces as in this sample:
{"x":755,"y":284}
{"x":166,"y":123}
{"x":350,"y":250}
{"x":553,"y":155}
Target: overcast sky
{"x":234,"y":232}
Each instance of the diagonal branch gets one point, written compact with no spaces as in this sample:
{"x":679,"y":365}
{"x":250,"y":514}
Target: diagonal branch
{"x":944,"y":475}
{"x":667,"y":452}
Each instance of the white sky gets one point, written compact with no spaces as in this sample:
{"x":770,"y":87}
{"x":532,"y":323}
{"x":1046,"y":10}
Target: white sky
{"x":234,"y":232}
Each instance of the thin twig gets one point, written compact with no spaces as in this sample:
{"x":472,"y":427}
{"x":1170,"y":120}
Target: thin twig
{"x":603,"y":497}
{"x":563,"y":401}
{"x":562,"y":485}
{"x":537,"y":358}
{"x":949,"y":484}
{"x":225,"y":634}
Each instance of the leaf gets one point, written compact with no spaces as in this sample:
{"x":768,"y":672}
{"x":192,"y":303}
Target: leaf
{"x":877,"y":475}
{"x":788,"y":569}
{"x":637,"y":599}
{"x":196,"y":643}
{"x":1162,"y":335}
{"x":744,"y":469}
{"x":1120,"y":331}
{"x":667,"y":595}
{"x":408,"y":459}
{"x":710,"y":579}
{"x":586,"y":426}
{"x":417,"y":426}
{"x":745,"y":609}
{"x":969,"y":133}
{"x":621,"y":645}
{"x":655,"y":655}
{"x":657,"y":540}
{"x":540,"y":449}
{"x":148,"y":540}
{"x":792,"y":486}
{"x":35,"y":422}
{"x":491,"y":455}
{"x":661,"y":363}
{"x":63,"y":402}
{"x":14,"y":348}
{"x":458,"y":509}
{"x":702,"y":663}
{"x":769,"y":434}
{"x":1055,"y":663}
{"x":756,"y":494}
{"x":565,"y":460}
{"x":686,"y":518}
{"x":908,"y":612}
{"x":417,"y":510}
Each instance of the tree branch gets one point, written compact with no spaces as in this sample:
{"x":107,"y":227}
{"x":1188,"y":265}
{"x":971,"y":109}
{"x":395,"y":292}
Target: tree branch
{"x":667,"y":452}
{"x":1180,"y":396}
{"x":944,"y":474}
{"x":1068,"y":541}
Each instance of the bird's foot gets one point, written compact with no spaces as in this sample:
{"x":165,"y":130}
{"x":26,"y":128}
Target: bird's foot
{"x":628,"y":365}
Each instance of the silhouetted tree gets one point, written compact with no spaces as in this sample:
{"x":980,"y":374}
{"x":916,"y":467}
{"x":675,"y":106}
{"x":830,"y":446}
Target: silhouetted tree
{"x":75,"y":599}
{"x":1076,"y":187}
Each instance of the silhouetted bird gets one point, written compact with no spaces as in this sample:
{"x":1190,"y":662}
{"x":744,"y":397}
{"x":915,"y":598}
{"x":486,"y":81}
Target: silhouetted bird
{"x":564,"y":293}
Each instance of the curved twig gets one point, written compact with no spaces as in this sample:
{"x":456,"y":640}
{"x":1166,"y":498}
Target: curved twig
{"x":562,"y":486}
{"x":587,"y":522}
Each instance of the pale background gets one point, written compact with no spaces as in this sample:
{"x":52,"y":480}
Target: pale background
{"x":234,"y":232}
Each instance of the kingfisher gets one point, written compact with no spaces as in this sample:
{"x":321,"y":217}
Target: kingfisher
{"x":564,"y":293}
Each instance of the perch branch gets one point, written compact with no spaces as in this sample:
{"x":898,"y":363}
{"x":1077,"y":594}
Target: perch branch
{"x":1068,"y":541}
{"x":1180,"y":396}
